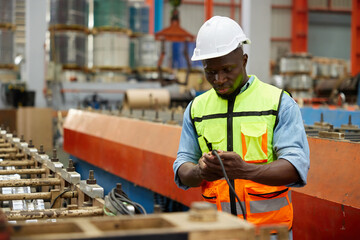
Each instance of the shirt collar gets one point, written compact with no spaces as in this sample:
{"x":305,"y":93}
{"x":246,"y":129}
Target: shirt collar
{"x":247,"y":84}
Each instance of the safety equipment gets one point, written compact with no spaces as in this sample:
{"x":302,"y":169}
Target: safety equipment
{"x":217,"y":37}
{"x":247,"y":123}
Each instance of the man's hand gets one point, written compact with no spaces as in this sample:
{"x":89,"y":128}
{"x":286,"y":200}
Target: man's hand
{"x":210,"y":168}
{"x":277,"y":173}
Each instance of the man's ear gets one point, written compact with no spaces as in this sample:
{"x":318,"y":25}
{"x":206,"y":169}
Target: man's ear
{"x":245,"y":59}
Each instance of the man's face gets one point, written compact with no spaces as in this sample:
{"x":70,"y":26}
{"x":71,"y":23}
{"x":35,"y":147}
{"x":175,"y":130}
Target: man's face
{"x":226,"y":73}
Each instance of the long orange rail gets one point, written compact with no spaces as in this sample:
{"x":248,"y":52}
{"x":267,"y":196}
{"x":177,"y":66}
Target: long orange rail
{"x":139,"y":151}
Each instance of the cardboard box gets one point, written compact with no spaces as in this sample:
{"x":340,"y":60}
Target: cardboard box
{"x":8,"y":118}
{"x":36,"y":124}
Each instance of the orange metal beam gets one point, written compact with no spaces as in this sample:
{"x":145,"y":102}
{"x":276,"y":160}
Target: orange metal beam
{"x":143,"y":153}
{"x":299,"y":31}
{"x":334,"y":172}
{"x":138,"y":151}
{"x":355,"y":38}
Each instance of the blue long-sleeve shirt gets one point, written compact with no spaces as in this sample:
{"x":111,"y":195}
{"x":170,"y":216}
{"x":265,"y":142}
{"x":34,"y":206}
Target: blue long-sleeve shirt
{"x":289,"y":140}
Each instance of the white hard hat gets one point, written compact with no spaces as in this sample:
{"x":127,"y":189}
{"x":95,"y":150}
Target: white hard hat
{"x":217,"y":37}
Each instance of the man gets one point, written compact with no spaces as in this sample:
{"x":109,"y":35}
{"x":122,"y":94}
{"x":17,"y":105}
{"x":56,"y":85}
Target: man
{"x":255,"y":128}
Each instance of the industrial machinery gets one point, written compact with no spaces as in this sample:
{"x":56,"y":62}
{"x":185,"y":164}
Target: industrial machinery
{"x":36,"y":186}
{"x":41,"y":199}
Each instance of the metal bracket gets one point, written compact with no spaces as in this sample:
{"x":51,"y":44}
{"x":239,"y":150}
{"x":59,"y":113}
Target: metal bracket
{"x":92,"y":190}
{"x":55,"y":166}
{"x":70,"y":177}
{"x":42,"y":158}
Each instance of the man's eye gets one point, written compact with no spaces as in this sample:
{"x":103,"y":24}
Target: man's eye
{"x":227,"y":70}
{"x":210,"y":72}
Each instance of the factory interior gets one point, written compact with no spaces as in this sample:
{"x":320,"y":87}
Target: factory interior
{"x":94,"y":96}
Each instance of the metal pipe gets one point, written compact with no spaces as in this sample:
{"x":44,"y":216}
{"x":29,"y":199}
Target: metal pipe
{"x":7,"y":155}
{"x":4,"y":145}
{"x":23,"y":171}
{"x":38,"y":195}
{"x":30,"y":182}
{"x":54,"y":213}
{"x":17,"y":163}
{"x":8,"y":150}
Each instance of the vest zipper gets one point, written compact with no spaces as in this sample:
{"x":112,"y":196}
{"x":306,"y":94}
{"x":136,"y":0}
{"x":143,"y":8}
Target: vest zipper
{"x":230,"y":111}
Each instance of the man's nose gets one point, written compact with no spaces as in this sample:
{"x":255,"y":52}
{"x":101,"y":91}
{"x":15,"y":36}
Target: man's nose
{"x":220,"y":77}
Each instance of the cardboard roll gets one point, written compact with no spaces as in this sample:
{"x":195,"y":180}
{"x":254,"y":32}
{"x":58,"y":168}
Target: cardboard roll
{"x":111,"y":49}
{"x":147,"y":98}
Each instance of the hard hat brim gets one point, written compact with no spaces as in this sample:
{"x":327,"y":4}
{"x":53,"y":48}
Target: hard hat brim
{"x":216,"y":54}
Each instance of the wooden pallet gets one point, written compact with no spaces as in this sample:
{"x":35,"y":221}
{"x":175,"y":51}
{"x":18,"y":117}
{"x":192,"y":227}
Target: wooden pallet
{"x":156,"y":226}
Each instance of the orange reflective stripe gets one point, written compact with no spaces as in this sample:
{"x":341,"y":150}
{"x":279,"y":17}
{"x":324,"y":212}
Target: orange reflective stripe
{"x":244,"y":148}
{"x":264,"y":143}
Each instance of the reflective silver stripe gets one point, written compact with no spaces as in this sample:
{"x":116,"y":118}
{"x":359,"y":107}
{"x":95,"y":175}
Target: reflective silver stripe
{"x":225,"y":207}
{"x":213,"y":204}
{"x":289,"y":195}
{"x":268,"y":205}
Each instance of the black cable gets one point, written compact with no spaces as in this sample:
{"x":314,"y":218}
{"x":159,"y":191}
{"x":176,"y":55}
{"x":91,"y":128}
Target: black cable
{"x":67,"y":190}
{"x":214,"y":152}
{"x":117,"y":200}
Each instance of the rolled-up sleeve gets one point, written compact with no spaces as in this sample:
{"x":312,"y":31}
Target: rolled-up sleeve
{"x":290,"y":141}
{"x":189,"y":150}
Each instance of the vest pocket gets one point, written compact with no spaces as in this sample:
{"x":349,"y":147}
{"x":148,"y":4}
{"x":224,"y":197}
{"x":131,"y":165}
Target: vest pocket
{"x":213,"y":138}
{"x":211,"y":195}
{"x":268,"y":204}
{"x":254,"y":142}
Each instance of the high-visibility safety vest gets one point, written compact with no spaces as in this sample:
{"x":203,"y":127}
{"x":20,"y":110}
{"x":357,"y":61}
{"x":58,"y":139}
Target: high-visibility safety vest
{"x":244,"y":125}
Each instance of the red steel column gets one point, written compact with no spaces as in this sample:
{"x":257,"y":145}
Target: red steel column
{"x":355,"y":38}
{"x":151,"y":4}
{"x":208,"y":9}
{"x":299,"y":31}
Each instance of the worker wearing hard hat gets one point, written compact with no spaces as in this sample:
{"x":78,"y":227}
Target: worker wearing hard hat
{"x":253,"y":129}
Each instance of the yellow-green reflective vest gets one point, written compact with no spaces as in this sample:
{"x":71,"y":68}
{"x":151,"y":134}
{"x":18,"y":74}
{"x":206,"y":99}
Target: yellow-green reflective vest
{"x":244,"y":125}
